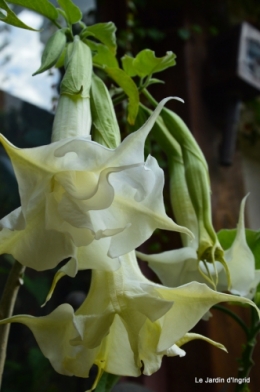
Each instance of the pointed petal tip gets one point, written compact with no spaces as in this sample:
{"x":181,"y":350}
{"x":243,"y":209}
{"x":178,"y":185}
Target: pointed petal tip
{"x":165,"y":100}
{"x":178,"y":99}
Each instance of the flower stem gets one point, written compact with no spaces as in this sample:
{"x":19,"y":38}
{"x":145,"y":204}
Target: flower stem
{"x":149,"y":97}
{"x":7,"y":303}
{"x":246,"y":361}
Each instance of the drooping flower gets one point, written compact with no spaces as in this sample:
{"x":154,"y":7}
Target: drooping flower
{"x":75,"y":191}
{"x":125,"y":325}
{"x":177,"y":267}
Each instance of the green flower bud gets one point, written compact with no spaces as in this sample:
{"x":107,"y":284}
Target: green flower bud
{"x":52,"y":51}
{"x":198,"y":185}
{"x":78,"y":65}
{"x":105,"y":127}
{"x":73,"y":115}
{"x":180,"y":199}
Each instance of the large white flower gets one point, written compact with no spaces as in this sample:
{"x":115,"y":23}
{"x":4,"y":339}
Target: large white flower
{"x":125,"y":325}
{"x":75,"y":191}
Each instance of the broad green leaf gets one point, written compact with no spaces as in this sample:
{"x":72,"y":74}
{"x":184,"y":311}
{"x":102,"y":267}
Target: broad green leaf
{"x":226,"y":238}
{"x":43,"y":7}
{"x":146,"y":63}
{"x":11,"y":18}
{"x":129,"y":87}
{"x":106,"y":127}
{"x":103,"y":56}
{"x":73,"y":12}
{"x":52,"y":51}
{"x":104,"y":32}
{"x":106,"y":382}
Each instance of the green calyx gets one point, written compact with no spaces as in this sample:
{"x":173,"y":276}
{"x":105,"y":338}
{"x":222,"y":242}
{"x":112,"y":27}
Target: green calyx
{"x":78,"y":66}
{"x":73,"y":115}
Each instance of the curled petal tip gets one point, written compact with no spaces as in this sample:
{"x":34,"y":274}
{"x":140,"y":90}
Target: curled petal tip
{"x":165,"y":100}
{"x":178,"y":99}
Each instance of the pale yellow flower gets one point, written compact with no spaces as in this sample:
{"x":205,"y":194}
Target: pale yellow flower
{"x":75,"y":191}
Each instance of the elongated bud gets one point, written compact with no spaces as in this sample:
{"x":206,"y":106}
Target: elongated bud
{"x":198,"y":185}
{"x":73,"y":115}
{"x":179,"y":195}
{"x":52,"y":50}
{"x":105,"y":126}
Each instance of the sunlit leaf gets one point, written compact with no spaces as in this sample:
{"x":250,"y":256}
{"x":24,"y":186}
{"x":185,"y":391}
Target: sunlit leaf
{"x":146,"y":63}
{"x":129,"y":87}
{"x":103,"y":56}
{"x":128,"y":66}
{"x":104,"y":32}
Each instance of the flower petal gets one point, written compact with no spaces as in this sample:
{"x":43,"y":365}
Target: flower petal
{"x":35,"y":246}
{"x":241,"y":262}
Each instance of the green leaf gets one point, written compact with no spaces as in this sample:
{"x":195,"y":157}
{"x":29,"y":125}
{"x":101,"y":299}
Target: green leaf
{"x":43,"y":7}
{"x":106,"y":127}
{"x":103,"y":55}
{"x":11,"y":18}
{"x":129,"y":87}
{"x":104,"y":32}
{"x":106,"y":382}
{"x":226,"y":238}
{"x":52,"y":51}
{"x":146,"y":63}
{"x":73,"y":12}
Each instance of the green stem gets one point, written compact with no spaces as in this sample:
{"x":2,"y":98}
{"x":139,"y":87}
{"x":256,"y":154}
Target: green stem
{"x":145,"y":84}
{"x":7,"y":303}
{"x":149,"y":97}
{"x":235,"y":317}
{"x":141,"y":88}
{"x":56,"y":24}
